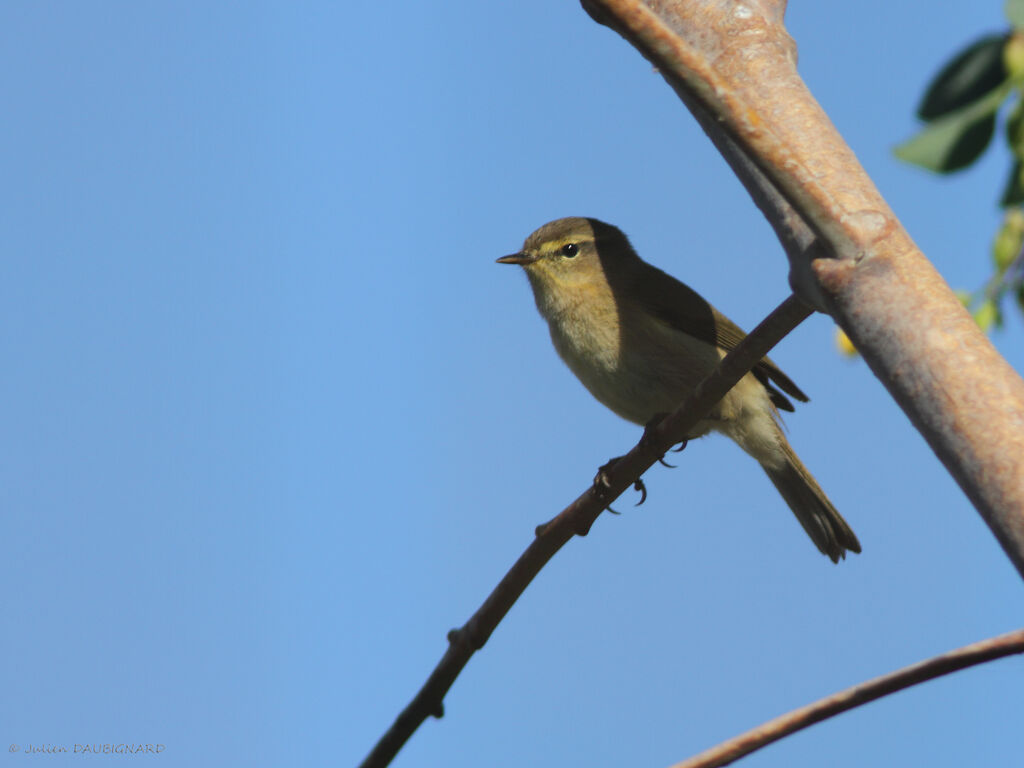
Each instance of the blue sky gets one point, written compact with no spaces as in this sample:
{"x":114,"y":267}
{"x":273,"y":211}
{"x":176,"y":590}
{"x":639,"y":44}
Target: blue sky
{"x":275,"y":421}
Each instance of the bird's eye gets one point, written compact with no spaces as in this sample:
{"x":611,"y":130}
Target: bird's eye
{"x":570,"y":249}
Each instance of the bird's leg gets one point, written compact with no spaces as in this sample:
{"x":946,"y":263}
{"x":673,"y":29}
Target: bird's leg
{"x":647,"y":439}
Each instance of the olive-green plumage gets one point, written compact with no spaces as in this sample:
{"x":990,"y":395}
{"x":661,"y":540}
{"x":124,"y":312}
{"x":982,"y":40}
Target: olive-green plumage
{"x":641,"y":341}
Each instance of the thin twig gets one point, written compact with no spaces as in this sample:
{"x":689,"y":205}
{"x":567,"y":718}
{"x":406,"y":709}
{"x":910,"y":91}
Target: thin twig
{"x":577,"y":519}
{"x":1003,"y":280}
{"x":798,"y":719}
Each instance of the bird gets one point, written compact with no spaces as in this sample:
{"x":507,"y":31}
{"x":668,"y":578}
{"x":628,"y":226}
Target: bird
{"x":641,"y":341}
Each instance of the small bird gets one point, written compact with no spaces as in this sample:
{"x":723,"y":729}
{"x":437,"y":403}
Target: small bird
{"x":641,"y":341}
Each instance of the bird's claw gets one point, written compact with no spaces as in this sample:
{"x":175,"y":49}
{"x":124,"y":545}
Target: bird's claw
{"x":639,"y":486}
{"x":647,"y":439}
{"x":601,"y":481}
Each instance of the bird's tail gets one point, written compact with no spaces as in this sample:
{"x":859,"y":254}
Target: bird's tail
{"x":826,"y":527}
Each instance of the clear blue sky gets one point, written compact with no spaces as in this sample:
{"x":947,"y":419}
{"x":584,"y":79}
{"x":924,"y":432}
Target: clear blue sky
{"x":273,"y":420}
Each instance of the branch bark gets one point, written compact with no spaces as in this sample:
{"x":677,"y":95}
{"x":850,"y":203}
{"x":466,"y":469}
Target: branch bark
{"x":577,"y":519}
{"x":733,"y":63}
{"x":862,"y":693}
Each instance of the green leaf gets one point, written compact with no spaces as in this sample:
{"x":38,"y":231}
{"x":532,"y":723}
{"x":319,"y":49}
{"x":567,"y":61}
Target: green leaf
{"x":1014,"y":10}
{"x":948,"y":146}
{"x":971,"y":74}
{"x":1015,"y":129}
{"x":1013,"y":192}
{"x":956,"y":140}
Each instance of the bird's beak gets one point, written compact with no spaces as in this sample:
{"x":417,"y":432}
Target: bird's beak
{"x":517,"y":258}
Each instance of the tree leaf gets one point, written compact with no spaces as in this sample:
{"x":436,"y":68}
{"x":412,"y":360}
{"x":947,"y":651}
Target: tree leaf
{"x":1013,"y":192}
{"x":1015,"y":129}
{"x":956,"y":140}
{"x":971,"y":74}
{"x":948,"y":147}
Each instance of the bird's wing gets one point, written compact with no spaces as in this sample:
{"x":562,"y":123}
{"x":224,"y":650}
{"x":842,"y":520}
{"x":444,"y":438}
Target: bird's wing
{"x":682,"y":308}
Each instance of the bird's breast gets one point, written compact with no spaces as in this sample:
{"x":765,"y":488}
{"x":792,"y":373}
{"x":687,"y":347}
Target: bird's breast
{"x":630,"y":361}
{"x":586,"y":333}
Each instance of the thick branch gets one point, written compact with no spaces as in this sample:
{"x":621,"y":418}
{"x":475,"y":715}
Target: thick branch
{"x":577,"y":519}
{"x":735,"y":62}
{"x":798,"y":719}
{"x":797,"y":238}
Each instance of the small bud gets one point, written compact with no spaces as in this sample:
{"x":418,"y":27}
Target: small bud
{"x":1013,"y":56}
{"x":1009,"y":240}
{"x":987,"y":315}
{"x":1015,"y":219}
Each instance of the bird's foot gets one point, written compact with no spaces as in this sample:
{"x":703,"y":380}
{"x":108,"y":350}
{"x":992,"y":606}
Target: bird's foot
{"x":602,"y":484}
{"x":647,"y":438}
